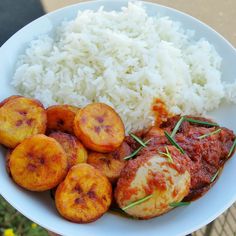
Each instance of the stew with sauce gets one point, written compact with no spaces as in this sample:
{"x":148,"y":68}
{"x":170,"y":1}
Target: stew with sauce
{"x":207,"y":147}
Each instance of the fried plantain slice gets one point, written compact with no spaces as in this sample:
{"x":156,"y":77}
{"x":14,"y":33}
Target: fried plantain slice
{"x":8,"y":99}
{"x":84,"y":195}
{"x":20,"y":118}
{"x":61,"y":118}
{"x":99,"y":127}
{"x":38,"y":163}
{"x":75,"y":151}
{"x":110,"y":164}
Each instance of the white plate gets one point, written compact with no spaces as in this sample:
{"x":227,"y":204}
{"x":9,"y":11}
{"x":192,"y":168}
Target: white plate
{"x":40,"y":207}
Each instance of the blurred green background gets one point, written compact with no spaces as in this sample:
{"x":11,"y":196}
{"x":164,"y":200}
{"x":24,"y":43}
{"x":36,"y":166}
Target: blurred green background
{"x":12,"y":223}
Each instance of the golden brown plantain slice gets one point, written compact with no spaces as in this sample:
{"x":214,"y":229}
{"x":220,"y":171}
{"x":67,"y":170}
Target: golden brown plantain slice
{"x":21,"y":118}
{"x":61,"y":118}
{"x":99,"y":127}
{"x":75,"y":151}
{"x":110,"y":164}
{"x":38,"y":163}
{"x":8,"y":99}
{"x":84,"y":195}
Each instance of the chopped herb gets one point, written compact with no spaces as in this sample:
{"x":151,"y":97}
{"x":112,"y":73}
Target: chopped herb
{"x":178,"y":204}
{"x":137,"y":202}
{"x":173,"y":142}
{"x":232,"y":148}
{"x":200,"y":122}
{"x":209,"y":134}
{"x":177,"y":126}
{"x":215,"y":175}
{"x":137,"y":139}
{"x":136,"y":151}
{"x":168,"y":155}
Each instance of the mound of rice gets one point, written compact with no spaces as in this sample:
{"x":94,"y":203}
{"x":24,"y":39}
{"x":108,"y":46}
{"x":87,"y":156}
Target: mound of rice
{"x":124,"y":59}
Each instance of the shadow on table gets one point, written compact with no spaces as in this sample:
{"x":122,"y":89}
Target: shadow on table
{"x":14,"y":14}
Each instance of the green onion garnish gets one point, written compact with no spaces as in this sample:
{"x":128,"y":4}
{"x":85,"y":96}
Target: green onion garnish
{"x":200,"y":122}
{"x":215,"y":175}
{"x":168,"y":155}
{"x":136,"y":151}
{"x":178,"y":204}
{"x":137,"y":202}
{"x":209,"y":134}
{"x":232,"y":148}
{"x":177,"y":126}
{"x":137,"y":139}
{"x":173,"y":142}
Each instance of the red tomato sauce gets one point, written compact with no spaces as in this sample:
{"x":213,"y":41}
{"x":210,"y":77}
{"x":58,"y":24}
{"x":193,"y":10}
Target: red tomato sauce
{"x":206,"y":156}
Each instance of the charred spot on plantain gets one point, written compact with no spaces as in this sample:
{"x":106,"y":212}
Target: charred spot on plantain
{"x":22,"y":112}
{"x":78,"y":189}
{"x":100,"y":119}
{"x":60,"y":122}
{"x":104,"y":198}
{"x":97,"y":129}
{"x":107,"y":128}
{"x":30,"y":155}
{"x":92,"y":194}
{"x":80,"y":201}
{"x":42,"y":160}
{"x":19,"y":123}
{"x":29,"y":122}
{"x":31,"y":167}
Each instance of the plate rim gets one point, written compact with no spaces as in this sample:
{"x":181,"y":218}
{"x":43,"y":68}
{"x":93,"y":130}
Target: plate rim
{"x":101,"y":2}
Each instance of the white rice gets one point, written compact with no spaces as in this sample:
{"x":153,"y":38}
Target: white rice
{"x":124,"y":59}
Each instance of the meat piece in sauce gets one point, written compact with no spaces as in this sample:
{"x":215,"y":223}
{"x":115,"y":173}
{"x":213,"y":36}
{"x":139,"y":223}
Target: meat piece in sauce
{"x":207,"y":155}
{"x":152,"y":175}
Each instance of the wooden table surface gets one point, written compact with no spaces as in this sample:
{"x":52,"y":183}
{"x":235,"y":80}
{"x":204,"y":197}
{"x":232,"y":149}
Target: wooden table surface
{"x":219,"y":14}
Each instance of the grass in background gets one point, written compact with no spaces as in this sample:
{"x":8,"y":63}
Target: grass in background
{"x":12,"y":223}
